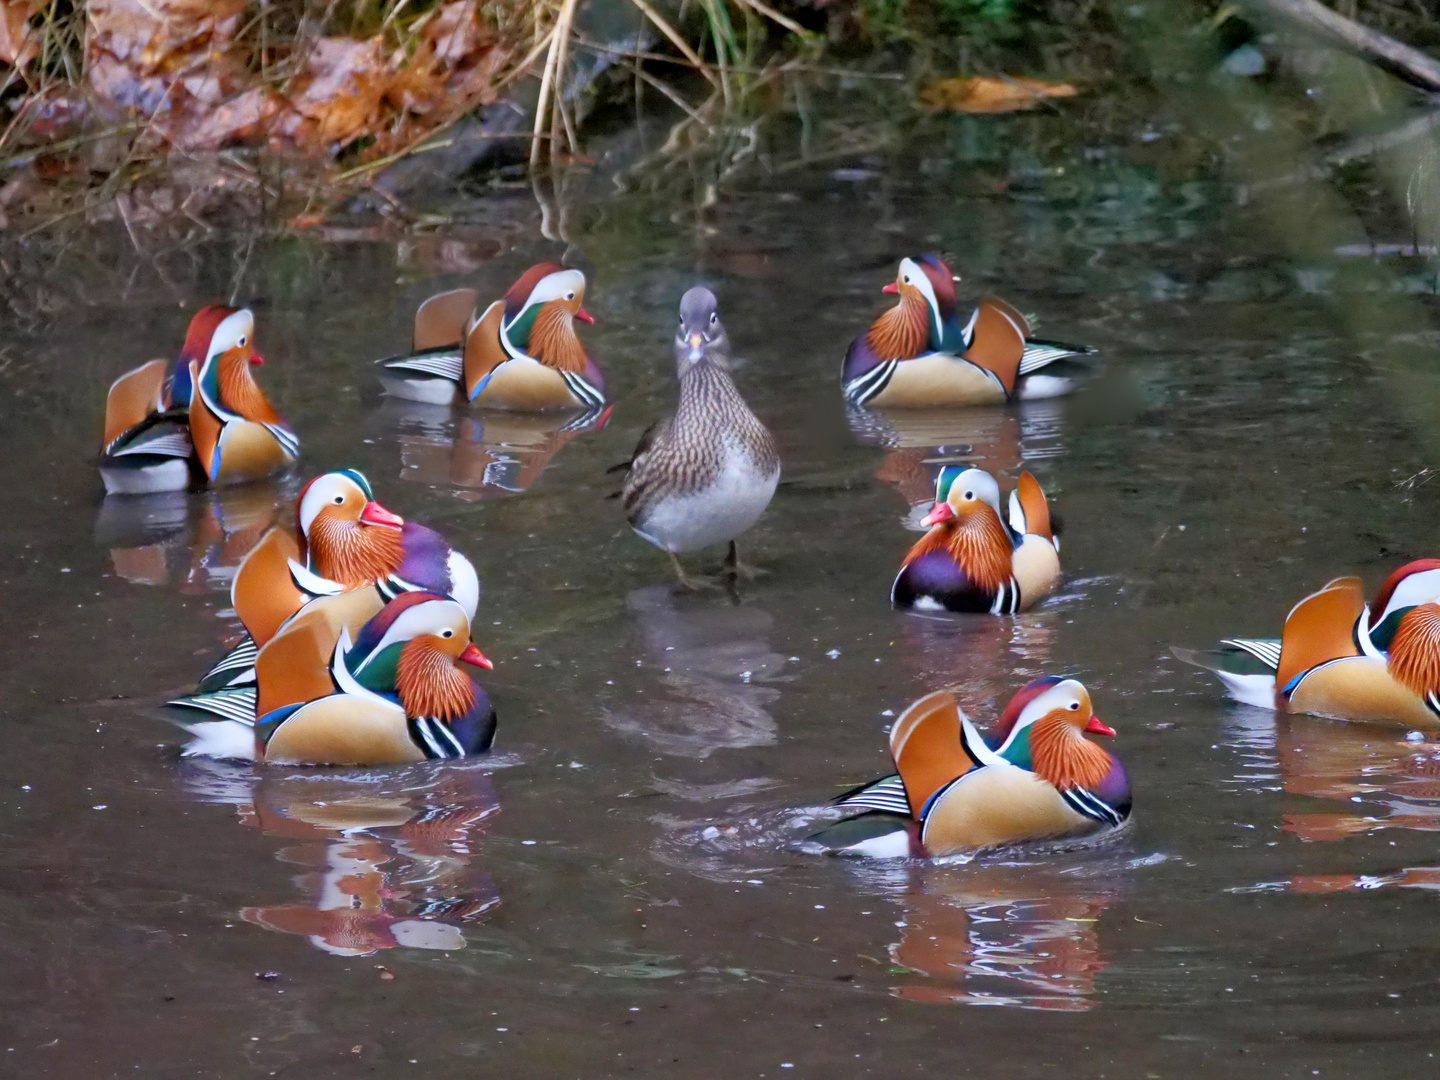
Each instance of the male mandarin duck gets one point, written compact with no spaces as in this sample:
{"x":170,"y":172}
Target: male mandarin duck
{"x":398,"y":694}
{"x":521,"y":352}
{"x":971,"y":560}
{"x":706,"y":474}
{"x":1035,"y":777}
{"x":204,"y":413}
{"x":920,"y":355}
{"x":348,"y":541}
{"x":1341,"y":658}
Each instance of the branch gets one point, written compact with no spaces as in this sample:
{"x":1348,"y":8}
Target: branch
{"x":1411,"y":65}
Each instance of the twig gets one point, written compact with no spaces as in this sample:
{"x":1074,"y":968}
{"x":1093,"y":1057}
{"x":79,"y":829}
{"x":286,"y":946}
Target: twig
{"x":663,"y":25}
{"x":1400,"y":60}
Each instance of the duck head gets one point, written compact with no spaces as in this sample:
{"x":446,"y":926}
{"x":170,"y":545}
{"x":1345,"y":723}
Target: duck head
{"x":924,"y":320}
{"x":415,"y":648}
{"x":966,"y":521}
{"x":225,"y":375}
{"x":1043,"y":728}
{"x":540,"y":314}
{"x":700,"y":335}
{"x":1404,"y":621}
{"x":348,"y":537}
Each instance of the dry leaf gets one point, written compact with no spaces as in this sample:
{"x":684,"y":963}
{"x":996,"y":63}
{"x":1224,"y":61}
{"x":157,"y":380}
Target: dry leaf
{"x":17,"y":38}
{"x":343,"y":83}
{"x":991,"y":94}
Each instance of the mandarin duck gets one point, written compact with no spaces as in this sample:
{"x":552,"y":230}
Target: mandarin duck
{"x":971,"y":559}
{"x":520,"y":353}
{"x":397,"y":694}
{"x":348,"y":542}
{"x":920,"y":355}
{"x":1035,"y":777}
{"x":705,"y":474}
{"x":203,"y":414}
{"x":1341,"y":658}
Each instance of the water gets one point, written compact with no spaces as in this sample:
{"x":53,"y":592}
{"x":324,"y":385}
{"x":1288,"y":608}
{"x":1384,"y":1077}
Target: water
{"x":617,"y":891}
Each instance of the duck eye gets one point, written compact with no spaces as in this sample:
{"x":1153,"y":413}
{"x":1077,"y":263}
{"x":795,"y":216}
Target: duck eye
{"x":714,"y":318}
{"x":339,"y":500}
{"x":241,"y":342}
{"x":1073,"y":706}
{"x":906,"y":279}
{"x":969,"y":496}
{"x":569,"y":296}
{"x":447,"y":633}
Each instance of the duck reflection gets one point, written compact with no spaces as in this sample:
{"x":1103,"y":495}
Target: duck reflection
{"x":997,"y":654}
{"x":1383,"y":780}
{"x":386,"y":857}
{"x":920,"y":442}
{"x":195,"y":540}
{"x":482,"y":455}
{"x":1003,"y":935}
{"x":715,"y":661}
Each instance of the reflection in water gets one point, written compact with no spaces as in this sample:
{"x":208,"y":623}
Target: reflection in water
{"x":193,"y":539}
{"x":1002,"y":935}
{"x":981,"y":658}
{"x":715,"y":658}
{"x":485,"y":454}
{"x":1382,"y":779}
{"x":386,"y":854}
{"x":920,"y":442}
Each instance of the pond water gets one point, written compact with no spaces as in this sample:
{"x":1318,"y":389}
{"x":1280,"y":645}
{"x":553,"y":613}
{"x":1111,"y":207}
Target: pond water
{"x":617,"y":892}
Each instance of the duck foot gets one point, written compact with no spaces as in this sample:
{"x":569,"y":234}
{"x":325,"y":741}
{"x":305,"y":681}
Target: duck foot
{"x":736,"y":569}
{"x":688,"y":583}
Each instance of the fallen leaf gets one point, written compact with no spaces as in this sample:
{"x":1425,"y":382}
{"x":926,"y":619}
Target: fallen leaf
{"x":343,"y":83}
{"x":17,"y":37}
{"x":991,"y":94}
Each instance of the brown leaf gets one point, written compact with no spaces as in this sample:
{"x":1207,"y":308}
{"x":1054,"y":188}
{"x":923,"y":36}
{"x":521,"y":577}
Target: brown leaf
{"x":991,"y":94}
{"x":17,"y":37}
{"x":241,"y":119}
{"x":342,"y":85}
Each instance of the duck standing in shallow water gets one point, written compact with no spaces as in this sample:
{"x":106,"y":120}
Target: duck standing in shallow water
{"x":971,"y":560}
{"x":706,"y":474}
{"x":920,"y":355}
{"x":1340,"y":658}
{"x":402,"y":692}
{"x":521,"y":352}
{"x":1034,"y":778}
{"x":204,"y":415}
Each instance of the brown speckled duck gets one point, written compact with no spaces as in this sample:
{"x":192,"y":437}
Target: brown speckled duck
{"x":706,"y":474}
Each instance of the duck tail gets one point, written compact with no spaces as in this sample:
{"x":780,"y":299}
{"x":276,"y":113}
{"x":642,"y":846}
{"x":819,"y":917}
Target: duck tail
{"x":227,"y":740}
{"x":1245,"y":666}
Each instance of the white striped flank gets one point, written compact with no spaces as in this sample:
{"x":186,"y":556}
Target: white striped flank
{"x":435,"y":738}
{"x":887,"y":794}
{"x":1039,"y":354}
{"x":1091,"y":806}
{"x":1266,"y":650}
{"x":288,"y":440}
{"x":440,"y":365}
{"x":237,"y":705}
{"x":175,"y":445}
{"x":240,"y":658}
{"x":864,"y":387}
{"x":586,"y":394}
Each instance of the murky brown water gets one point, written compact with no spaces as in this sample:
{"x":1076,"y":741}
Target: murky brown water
{"x":615,"y":893}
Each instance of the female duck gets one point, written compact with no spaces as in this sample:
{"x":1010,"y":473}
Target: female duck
{"x":706,"y":474}
{"x":398,"y":694}
{"x":971,"y":560}
{"x":1034,"y":778}
{"x":205,"y":414}
{"x":920,"y":355}
{"x":521,"y":353}
{"x":1340,"y":658}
